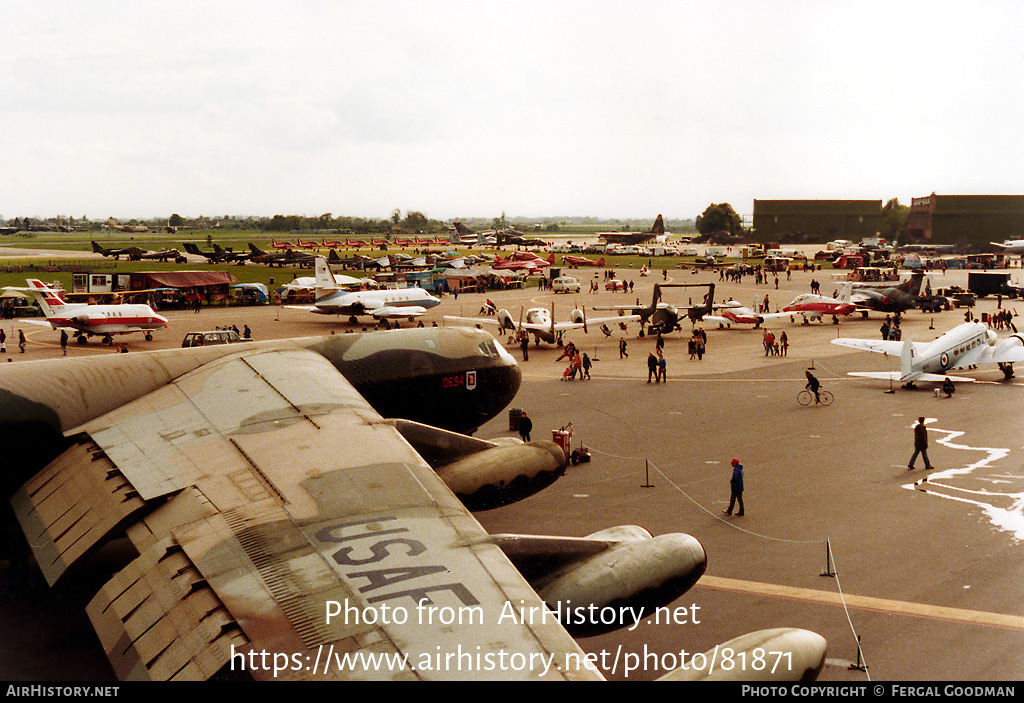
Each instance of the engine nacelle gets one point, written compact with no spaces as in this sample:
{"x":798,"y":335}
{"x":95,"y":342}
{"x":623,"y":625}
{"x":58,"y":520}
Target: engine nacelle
{"x":786,"y":654}
{"x":636,"y":571}
{"x":503,"y":474}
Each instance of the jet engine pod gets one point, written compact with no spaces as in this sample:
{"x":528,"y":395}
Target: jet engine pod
{"x":787,"y":654}
{"x":504,"y":474}
{"x":639,"y":572}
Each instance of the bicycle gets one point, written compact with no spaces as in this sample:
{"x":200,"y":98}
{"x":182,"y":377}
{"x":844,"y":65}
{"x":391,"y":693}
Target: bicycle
{"x":806,"y":397}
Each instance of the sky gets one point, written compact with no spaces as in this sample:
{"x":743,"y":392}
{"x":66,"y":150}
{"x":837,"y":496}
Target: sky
{"x":474,"y":109}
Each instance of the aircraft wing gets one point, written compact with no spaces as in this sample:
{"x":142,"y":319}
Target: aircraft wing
{"x":263,"y":494}
{"x":879,"y":346}
{"x":391,"y":311}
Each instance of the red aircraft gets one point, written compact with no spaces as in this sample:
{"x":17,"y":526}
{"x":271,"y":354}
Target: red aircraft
{"x":582,"y":261}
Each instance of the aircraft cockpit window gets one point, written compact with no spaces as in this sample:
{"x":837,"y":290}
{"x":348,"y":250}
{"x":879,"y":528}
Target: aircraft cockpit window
{"x":488,"y":348}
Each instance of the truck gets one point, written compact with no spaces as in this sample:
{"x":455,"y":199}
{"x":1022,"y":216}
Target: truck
{"x":983,"y":283}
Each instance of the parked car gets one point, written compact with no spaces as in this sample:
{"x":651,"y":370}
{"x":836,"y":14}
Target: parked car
{"x":205,"y":339}
{"x":565,"y":284}
{"x":615,"y":284}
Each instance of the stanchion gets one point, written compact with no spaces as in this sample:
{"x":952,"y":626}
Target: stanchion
{"x":828,"y":560}
{"x":647,"y":472}
{"x":859,"y":666}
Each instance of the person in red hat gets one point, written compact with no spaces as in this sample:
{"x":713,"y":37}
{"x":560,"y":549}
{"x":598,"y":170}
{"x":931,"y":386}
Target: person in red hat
{"x":736,"y":484}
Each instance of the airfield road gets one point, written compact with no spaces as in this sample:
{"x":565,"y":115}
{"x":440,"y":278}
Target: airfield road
{"x":928,"y":576}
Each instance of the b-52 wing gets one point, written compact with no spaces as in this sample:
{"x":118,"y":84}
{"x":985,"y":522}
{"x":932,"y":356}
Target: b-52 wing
{"x":285,"y":530}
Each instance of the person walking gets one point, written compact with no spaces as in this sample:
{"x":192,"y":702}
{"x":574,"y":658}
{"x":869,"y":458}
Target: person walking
{"x":736,"y":488}
{"x":64,"y":342}
{"x":622,"y":348}
{"x":525,"y":426}
{"x":21,"y":341}
{"x":920,"y":445}
{"x":3,"y":341}
{"x":652,"y":367}
{"x":586,"y":366}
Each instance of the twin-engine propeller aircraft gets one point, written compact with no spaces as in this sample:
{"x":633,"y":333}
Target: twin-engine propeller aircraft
{"x":966,"y":345}
{"x":265,"y":507}
{"x":661,"y":317}
{"x":540,"y":322}
{"x":94,"y":320}
{"x":386,"y":303}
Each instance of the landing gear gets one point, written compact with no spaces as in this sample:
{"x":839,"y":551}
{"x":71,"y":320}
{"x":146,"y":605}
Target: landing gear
{"x":353,"y":320}
{"x":108,"y":340}
{"x":81,"y":339}
{"x":149,"y":336}
{"x":1007,"y":368}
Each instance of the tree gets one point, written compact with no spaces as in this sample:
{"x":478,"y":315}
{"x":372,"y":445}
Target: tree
{"x":415,"y":221}
{"x":894,"y":219}
{"x":718,"y":218}
{"x":176,"y":220}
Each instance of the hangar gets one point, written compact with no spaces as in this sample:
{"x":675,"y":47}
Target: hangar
{"x":815,"y":220}
{"x":978,"y":219}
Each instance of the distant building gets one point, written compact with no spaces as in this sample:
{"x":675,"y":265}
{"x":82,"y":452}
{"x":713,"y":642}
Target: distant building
{"x":978,"y":219}
{"x":815,"y":220}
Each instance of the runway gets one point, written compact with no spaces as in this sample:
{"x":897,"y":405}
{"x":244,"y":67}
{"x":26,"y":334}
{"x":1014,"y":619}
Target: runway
{"x":927,"y":576}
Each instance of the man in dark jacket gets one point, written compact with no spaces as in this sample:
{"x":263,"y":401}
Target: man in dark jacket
{"x":920,"y":445}
{"x":736,"y":484}
{"x":525,"y":426}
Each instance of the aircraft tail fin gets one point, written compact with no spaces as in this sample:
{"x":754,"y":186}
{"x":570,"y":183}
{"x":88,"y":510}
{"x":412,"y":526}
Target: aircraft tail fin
{"x":98,"y":249}
{"x":915,"y":283}
{"x":846,"y":292}
{"x":49,"y":300}
{"x":659,"y":225}
{"x":325,"y":282}
{"x":907,"y":359}
{"x":601,"y":261}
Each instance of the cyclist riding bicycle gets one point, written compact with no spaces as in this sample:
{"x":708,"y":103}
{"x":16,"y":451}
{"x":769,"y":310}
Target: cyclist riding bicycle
{"x":813,"y":385}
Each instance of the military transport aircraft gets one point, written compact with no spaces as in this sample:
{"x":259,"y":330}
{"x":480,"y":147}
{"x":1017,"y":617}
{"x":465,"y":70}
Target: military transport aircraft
{"x":386,"y":303}
{"x":657,"y":230}
{"x":94,"y":320}
{"x":281,"y":528}
{"x":540,"y":322}
{"x":966,"y":345}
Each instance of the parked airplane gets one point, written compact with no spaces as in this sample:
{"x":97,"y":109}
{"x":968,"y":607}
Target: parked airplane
{"x":812,"y":306}
{"x":253,"y":530}
{"x":464,"y":236}
{"x":523,"y":262}
{"x":289,"y":257}
{"x":658,"y":229}
{"x":540,"y":322}
{"x":281,"y":245}
{"x":966,"y":345}
{"x":661,"y":317}
{"x":218,"y":255}
{"x":386,"y":303}
{"x":1013,"y":247}
{"x":887,"y":297}
{"x":582,"y":261}
{"x":94,"y":320}
{"x":734,"y":313}
{"x":138,"y":254}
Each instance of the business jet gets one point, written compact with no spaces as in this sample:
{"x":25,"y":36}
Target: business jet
{"x":966,"y":345}
{"x":94,"y":320}
{"x":381,"y":304}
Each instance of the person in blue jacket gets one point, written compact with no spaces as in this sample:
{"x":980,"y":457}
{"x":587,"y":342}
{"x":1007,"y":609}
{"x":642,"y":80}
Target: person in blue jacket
{"x":736,"y":484}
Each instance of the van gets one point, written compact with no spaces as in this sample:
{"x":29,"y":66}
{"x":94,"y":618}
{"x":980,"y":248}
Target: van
{"x":565,"y":284}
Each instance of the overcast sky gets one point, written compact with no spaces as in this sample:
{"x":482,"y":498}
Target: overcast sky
{"x":458,"y":109}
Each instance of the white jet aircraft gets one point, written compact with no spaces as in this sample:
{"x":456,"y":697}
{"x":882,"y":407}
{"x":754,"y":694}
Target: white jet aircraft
{"x":94,"y":320}
{"x":381,"y":304}
{"x":966,"y":345}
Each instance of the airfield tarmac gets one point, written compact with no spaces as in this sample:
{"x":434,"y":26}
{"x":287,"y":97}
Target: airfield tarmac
{"x":928,"y":579}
